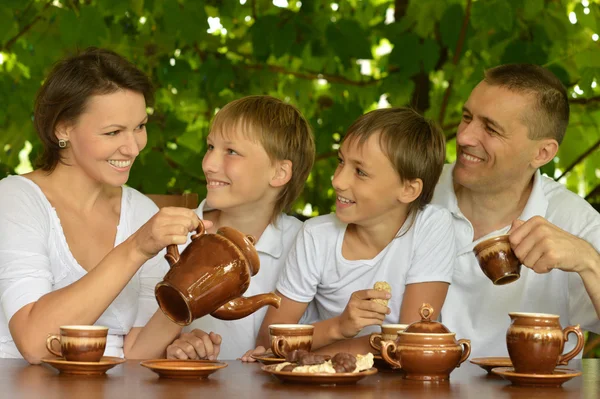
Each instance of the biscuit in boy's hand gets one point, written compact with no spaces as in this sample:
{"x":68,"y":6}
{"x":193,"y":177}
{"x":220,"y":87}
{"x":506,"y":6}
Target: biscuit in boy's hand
{"x":382,"y":286}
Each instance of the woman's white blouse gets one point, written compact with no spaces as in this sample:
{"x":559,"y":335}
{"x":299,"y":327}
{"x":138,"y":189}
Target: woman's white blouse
{"x":35,"y":260}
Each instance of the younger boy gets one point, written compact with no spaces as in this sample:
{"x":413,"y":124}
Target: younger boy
{"x":260,"y":151}
{"x":383,"y":230}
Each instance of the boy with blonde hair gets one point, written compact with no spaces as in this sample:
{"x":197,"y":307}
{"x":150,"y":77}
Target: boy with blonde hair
{"x":260,"y":151}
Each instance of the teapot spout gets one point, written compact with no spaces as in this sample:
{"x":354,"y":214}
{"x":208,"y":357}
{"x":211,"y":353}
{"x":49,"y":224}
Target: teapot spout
{"x":241,"y":307}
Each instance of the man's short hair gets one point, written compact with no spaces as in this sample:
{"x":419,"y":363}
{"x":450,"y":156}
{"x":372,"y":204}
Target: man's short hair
{"x":549,"y":116}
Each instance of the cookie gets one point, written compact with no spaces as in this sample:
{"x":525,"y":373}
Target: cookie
{"x":382,"y":286}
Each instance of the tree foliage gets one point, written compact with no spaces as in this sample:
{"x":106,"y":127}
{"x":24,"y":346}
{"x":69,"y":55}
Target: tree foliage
{"x":333,"y":60}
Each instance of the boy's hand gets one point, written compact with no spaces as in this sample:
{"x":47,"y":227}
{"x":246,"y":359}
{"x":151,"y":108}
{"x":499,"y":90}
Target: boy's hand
{"x":259,"y":350}
{"x":195,"y":345}
{"x":361,"y":311}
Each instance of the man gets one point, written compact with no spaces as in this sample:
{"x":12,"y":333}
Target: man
{"x":512,"y":124}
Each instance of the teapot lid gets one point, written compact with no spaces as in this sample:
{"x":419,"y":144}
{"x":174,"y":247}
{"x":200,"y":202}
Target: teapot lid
{"x":246,"y":244}
{"x":426,"y":325}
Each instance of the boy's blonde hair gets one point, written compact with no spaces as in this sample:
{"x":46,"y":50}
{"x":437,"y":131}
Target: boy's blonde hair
{"x":415,"y":146}
{"x":283,"y":132}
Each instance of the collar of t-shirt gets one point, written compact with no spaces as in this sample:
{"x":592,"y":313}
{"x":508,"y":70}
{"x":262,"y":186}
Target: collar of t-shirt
{"x":537,"y":205}
{"x":271,"y":240}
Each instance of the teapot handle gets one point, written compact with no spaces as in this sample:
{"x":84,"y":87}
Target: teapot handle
{"x":172,"y":255}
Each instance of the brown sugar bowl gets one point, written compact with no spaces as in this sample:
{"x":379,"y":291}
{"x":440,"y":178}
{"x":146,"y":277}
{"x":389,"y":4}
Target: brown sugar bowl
{"x":426,"y":350}
{"x":497,"y":260}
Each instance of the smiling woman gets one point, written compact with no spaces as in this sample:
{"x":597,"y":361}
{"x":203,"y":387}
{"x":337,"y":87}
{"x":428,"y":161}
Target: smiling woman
{"x":77,"y":247}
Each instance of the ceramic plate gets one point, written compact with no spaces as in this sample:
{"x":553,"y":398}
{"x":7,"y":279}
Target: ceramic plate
{"x":556,"y":379}
{"x":183,"y":369}
{"x":381,"y":364}
{"x":488,"y":363}
{"x":320,"y":378}
{"x":268,"y":358}
{"x":83,"y":368}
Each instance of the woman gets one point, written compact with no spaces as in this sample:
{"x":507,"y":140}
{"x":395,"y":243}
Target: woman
{"x":76,"y":245}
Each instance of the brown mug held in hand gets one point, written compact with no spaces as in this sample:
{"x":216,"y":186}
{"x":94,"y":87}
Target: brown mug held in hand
{"x":210,"y":276}
{"x":79,"y":343}
{"x":497,"y":260}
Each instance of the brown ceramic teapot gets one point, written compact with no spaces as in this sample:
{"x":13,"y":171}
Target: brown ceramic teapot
{"x":426,"y":350}
{"x":210,"y":276}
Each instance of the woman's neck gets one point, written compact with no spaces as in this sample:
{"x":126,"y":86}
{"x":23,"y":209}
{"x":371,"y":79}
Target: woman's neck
{"x":72,"y":187}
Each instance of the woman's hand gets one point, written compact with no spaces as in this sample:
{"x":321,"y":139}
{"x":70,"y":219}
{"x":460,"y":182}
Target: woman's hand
{"x":169,"y":226}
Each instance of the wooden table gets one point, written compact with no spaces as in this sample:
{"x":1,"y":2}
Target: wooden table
{"x":238,"y":380}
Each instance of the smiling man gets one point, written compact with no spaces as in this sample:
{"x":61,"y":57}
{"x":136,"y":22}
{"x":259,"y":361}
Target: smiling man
{"x":512,"y":124}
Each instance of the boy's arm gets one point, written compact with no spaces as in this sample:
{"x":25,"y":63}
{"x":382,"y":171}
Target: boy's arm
{"x":289,"y":312}
{"x":415,"y":295}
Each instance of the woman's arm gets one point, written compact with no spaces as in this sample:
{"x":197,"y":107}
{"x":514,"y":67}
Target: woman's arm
{"x":84,"y":301}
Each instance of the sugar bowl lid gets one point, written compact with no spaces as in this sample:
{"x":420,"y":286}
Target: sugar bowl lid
{"x":426,"y":325}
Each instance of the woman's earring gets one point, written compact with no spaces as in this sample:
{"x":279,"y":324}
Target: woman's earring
{"x":62,"y":143}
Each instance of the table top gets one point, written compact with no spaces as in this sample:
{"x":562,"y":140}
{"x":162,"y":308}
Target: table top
{"x":240,"y":380}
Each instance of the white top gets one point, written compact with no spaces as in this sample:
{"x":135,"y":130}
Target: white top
{"x":35,"y":260}
{"x":239,"y":336}
{"x":316,"y":271}
{"x":478,"y":310}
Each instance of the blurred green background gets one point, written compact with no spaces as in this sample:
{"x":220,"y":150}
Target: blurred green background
{"x":333,"y":59}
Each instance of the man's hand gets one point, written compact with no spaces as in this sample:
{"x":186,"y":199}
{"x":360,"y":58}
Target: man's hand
{"x":361,"y":311}
{"x":195,"y":345}
{"x":541,"y":246}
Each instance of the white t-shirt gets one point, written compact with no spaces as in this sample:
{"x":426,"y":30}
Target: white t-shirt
{"x":478,"y":310}
{"x":35,"y":260}
{"x":273,"y":246}
{"x":316,"y":271}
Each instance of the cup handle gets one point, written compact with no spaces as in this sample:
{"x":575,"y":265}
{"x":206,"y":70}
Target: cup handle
{"x":278,"y":347}
{"x":375,"y":341}
{"x":49,"y":344}
{"x":386,"y":348}
{"x":466,"y":345}
{"x":564,"y":359}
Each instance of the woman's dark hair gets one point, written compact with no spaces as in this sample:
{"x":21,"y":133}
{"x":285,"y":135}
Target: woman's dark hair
{"x":72,"y":81}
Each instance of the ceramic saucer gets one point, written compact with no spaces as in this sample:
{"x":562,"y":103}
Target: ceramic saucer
{"x":381,"y":364}
{"x":268,"y":358}
{"x":319,"y":378}
{"x":556,"y":379}
{"x":488,"y":363}
{"x":83,"y":368}
{"x":183,"y":369}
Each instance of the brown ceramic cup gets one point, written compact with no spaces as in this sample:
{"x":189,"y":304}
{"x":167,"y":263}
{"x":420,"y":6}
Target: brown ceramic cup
{"x":497,"y":260}
{"x":286,"y":338}
{"x":535,"y":342}
{"x":79,"y":343}
{"x":389,"y":332}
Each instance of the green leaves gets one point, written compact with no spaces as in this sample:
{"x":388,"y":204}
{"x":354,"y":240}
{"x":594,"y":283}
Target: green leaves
{"x":450,"y":25}
{"x":8,"y":24}
{"x":285,"y":52}
{"x":348,"y":40}
{"x":492,"y":14}
{"x":188,"y":21}
{"x":410,"y":53}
